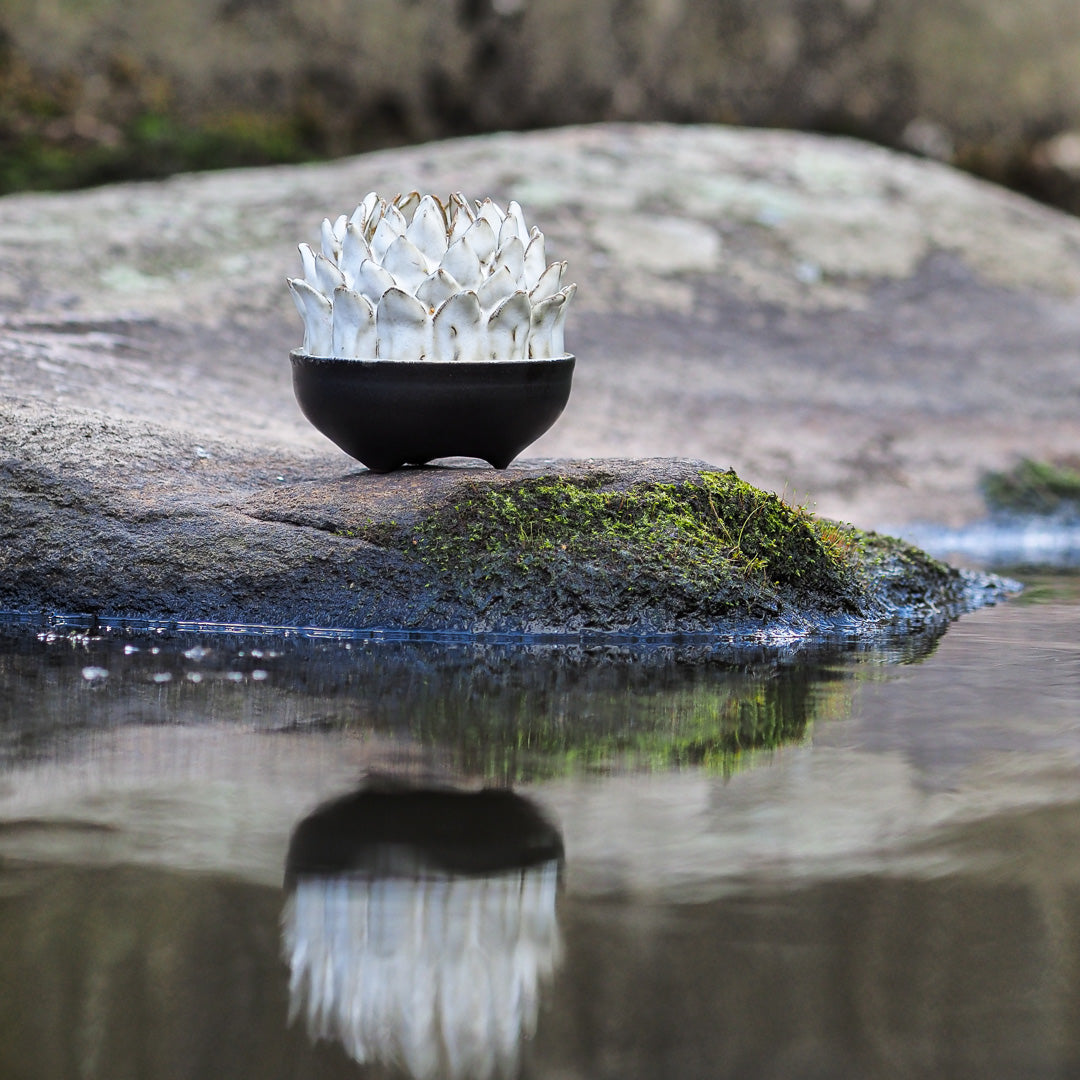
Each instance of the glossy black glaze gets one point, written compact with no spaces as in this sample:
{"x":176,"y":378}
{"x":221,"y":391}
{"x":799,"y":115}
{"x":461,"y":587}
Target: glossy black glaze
{"x":388,"y":829}
{"x":389,"y":413}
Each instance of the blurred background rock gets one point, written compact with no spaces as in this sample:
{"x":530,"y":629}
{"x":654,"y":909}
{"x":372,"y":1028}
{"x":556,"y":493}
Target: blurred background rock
{"x":97,"y":90}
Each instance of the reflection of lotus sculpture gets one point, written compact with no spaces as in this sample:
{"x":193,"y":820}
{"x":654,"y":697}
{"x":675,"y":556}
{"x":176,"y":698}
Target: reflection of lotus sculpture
{"x":421,"y":925}
{"x":431,"y":329}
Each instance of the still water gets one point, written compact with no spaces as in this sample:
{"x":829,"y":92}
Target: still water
{"x":263,"y":857}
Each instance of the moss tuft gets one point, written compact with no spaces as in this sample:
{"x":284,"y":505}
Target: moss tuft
{"x":697,"y":549}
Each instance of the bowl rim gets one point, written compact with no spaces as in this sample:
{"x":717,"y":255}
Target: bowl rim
{"x":299,"y":355}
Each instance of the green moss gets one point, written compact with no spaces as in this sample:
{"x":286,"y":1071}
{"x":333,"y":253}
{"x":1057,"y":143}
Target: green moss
{"x":712,"y":547}
{"x":1034,"y":487}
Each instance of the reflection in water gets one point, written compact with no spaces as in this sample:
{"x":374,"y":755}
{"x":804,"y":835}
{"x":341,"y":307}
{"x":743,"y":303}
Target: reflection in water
{"x":420,"y":927}
{"x":508,"y":714}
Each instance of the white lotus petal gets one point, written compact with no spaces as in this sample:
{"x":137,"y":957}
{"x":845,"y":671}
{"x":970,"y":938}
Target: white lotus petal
{"x":545,"y":320}
{"x":373,"y":219}
{"x":354,"y":250}
{"x":461,"y":263}
{"x":550,"y":282}
{"x":507,"y":230}
{"x":557,"y":331}
{"x":406,"y":204}
{"x":436,"y":288}
{"x":427,"y":230}
{"x":353,"y":325}
{"x":327,"y":276}
{"x":315,"y":310}
{"x":385,"y":235}
{"x":363,"y":211}
{"x":458,"y":328}
{"x":407,"y":263}
{"x":493,"y":214}
{"x":547,"y":338}
{"x":339,"y":227}
{"x":514,"y":225}
{"x":460,"y":222}
{"x":307,"y":258}
{"x":535,"y":259}
{"x":512,"y":256}
{"x":403,"y":327}
{"x":508,"y":328}
{"x":373,"y":281}
{"x":496,"y":288}
{"x":462,"y":205}
{"x":480,"y":237}
{"x":396,"y":218}
{"x":330,"y":246}
{"x":514,"y":211}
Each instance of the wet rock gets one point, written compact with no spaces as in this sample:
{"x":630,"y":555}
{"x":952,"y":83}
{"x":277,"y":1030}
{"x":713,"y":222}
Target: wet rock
{"x":865,"y":332}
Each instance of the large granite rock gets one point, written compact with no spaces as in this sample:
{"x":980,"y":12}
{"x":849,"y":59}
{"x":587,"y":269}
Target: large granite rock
{"x":856,"y":329}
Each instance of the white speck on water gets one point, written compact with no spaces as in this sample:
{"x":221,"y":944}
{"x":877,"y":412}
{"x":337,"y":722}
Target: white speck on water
{"x":130,"y":649}
{"x":197,"y":653}
{"x":194,"y":676}
{"x":95,"y":674}
{"x":201,"y":452}
{"x":257,"y":653}
{"x":154,"y":651}
{"x":162,"y":677}
{"x":258,"y":675}
{"x":235,"y":676}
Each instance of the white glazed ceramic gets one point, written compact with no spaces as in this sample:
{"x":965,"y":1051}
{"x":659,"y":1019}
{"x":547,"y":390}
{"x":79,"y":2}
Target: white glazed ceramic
{"x":414,"y":278}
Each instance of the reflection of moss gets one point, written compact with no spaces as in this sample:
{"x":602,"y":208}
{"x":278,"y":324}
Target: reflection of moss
{"x":1034,"y":487}
{"x":713,"y":724}
{"x":501,"y":712}
{"x":594,"y":553}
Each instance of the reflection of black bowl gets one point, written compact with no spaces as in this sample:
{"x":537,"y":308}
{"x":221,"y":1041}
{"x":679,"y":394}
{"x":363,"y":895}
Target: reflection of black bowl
{"x":391,"y":830}
{"x":389,"y":413}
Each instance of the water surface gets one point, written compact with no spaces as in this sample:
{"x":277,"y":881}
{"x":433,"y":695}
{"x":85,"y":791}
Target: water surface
{"x":849,"y":862}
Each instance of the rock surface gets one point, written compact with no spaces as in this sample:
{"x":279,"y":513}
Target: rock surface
{"x":853,"y":328}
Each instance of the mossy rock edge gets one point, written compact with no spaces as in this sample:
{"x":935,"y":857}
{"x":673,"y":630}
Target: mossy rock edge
{"x":585,"y":548}
{"x":710,"y":554}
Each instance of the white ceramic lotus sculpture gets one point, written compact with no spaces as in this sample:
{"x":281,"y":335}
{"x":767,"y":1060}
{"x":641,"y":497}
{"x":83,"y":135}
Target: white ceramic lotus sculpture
{"x":414,"y":278}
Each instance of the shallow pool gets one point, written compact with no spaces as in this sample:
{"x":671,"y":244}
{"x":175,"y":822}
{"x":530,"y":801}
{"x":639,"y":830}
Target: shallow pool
{"x":837,"y":862}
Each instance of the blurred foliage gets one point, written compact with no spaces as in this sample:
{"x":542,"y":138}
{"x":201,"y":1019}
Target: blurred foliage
{"x":50,"y":141}
{"x":1034,"y":487}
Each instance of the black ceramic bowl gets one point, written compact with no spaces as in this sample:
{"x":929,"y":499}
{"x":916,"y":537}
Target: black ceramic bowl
{"x":389,"y":413}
